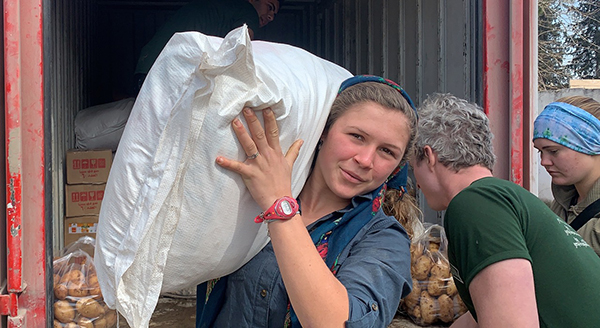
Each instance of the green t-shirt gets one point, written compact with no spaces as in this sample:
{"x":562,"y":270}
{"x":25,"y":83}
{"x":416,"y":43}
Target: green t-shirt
{"x":210,"y":17}
{"x":494,"y":220}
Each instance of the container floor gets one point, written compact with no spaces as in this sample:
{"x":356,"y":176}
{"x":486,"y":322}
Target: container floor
{"x":181,"y":313}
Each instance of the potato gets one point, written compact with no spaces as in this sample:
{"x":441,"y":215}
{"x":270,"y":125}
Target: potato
{"x":56,"y":279}
{"x":451,"y":287}
{"x":436,"y":286}
{"x":88,"y":307}
{"x":63,"y":311}
{"x":65,"y":277}
{"x":85,"y":322}
{"x":111,"y":318}
{"x":422,"y":267}
{"x":95,"y":292}
{"x":446,"y":308}
{"x":429,"y":308}
{"x":72,"y":325}
{"x":100,"y":323}
{"x":75,"y":276}
{"x":416,"y":250}
{"x":78,"y":289}
{"x":440,"y":270}
{"x":61,"y":291}
{"x":411,"y":300}
{"x":433,"y":247}
{"x":59,"y":266}
{"x":416,"y":313}
{"x":94,"y":288}
{"x":57,"y":324}
{"x":434,"y":239}
{"x":92,"y":280}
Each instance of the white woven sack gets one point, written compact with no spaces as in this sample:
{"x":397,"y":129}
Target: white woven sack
{"x":101,"y":126}
{"x":171,"y":218}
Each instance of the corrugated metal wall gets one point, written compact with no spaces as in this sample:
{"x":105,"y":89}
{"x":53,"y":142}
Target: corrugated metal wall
{"x":426,"y":46}
{"x":68,"y":67}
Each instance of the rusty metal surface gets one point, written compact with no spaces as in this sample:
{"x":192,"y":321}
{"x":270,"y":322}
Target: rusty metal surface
{"x":510,"y":29}
{"x":8,"y":305}
{"x":516,"y":92}
{"x":496,"y":77}
{"x":14,"y":150}
{"x":25,"y":171}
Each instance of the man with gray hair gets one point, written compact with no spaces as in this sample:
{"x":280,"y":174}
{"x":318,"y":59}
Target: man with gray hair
{"x":515,"y":263}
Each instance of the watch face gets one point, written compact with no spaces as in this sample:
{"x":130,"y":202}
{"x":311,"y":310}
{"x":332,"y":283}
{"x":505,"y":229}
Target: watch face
{"x":286,"y":207}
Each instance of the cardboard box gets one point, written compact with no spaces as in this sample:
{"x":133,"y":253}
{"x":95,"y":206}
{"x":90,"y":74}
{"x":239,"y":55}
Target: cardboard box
{"x":88,"y":166}
{"x":85,"y":199}
{"x":80,"y":226}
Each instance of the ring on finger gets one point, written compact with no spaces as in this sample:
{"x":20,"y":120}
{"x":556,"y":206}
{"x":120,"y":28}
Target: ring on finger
{"x":253,"y":156}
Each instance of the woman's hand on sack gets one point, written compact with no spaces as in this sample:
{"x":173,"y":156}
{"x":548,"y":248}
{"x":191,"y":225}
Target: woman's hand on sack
{"x":267,"y":172}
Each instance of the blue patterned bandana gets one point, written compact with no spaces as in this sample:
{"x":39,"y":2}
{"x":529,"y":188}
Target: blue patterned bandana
{"x":374,"y":78}
{"x":399,"y":178}
{"x":569,"y":126}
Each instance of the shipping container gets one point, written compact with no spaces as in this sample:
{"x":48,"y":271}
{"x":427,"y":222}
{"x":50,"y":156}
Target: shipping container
{"x":62,"y":56}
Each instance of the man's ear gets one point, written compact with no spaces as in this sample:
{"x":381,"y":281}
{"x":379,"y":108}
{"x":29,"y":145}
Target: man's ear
{"x":430,"y":156}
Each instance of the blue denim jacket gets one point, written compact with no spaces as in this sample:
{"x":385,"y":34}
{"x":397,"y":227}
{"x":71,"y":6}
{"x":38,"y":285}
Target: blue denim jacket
{"x":374,"y":268}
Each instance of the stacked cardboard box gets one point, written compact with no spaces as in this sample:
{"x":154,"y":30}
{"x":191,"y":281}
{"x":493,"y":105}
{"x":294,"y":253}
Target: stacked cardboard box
{"x":87,"y":173}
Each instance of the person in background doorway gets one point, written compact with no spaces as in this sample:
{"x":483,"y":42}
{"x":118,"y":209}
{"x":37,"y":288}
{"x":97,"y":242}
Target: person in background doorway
{"x":567,"y":135}
{"x":210,"y":17}
{"x":334,"y":259}
{"x":514,"y":261}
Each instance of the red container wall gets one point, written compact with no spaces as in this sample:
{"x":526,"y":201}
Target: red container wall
{"x":510,"y":84}
{"x":24,"y":159}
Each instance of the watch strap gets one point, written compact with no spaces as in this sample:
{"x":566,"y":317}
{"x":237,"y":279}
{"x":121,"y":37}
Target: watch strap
{"x":276,"y":212}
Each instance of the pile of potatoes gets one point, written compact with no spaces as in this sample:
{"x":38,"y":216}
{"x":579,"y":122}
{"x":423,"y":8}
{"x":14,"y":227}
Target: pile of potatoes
{"x":434,"y":297}
{"x":78,"y":299}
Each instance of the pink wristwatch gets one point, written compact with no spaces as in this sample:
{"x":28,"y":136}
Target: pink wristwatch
{"x":283,"y":208}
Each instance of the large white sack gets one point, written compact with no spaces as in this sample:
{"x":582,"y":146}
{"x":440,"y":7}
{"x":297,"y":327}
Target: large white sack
{"x":171,"y":218}
{"x":101,"y":126}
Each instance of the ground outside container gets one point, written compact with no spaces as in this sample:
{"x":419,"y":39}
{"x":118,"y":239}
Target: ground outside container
{"x":61,"y":56}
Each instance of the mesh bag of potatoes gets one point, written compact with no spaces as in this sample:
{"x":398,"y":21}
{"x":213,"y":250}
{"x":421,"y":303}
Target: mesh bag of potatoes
{"x":77,"y":296}
{"x":434,"y":298}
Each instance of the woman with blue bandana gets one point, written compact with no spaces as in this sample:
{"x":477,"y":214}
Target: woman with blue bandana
{"x":567,"y":135}
{"x":334,"y":259}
